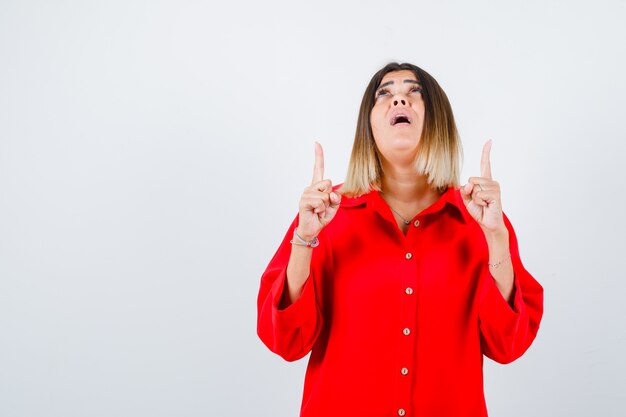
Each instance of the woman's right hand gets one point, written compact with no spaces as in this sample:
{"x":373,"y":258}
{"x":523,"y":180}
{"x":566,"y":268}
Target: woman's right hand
{"x":319,"y":203}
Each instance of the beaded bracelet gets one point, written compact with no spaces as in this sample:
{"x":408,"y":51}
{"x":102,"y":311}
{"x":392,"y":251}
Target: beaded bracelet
{"x":301,"y":242}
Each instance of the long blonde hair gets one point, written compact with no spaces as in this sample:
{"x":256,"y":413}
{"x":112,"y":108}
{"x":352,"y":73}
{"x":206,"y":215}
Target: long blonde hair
{"x":439,"y":150}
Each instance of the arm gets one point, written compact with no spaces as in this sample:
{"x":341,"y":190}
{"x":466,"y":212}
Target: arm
{"x":500,"y":264}
{"x":290,"y":302}
{"x":289,"y":306}
{"x":510,"y":299}
{"x":298,"y":271}
{"x":508,"y":326}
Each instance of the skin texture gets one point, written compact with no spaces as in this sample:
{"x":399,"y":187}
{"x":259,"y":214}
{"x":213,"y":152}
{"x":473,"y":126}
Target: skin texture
{"x":398,"y":144}
{"x":403,"y":189}
{"x":481,"y":196}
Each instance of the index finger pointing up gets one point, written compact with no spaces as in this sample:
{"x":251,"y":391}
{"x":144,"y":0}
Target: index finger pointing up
{"x":318,"y":170}
{"x":485,"y":161}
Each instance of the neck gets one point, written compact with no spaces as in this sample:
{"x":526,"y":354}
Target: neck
{"x":403,"y":185}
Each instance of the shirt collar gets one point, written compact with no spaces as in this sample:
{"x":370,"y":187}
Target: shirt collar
{"x":450,"y":198}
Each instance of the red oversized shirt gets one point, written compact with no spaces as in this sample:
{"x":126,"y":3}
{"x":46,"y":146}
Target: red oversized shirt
{"x":397,"y":325}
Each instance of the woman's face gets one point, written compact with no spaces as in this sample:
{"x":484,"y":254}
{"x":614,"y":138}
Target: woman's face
{"x":397,"y":117}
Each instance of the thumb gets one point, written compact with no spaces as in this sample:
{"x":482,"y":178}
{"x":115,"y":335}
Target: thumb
{"x":331,"y":210}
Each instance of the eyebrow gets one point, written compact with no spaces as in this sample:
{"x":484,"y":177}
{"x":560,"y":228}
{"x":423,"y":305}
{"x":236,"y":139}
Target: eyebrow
{"x":406,"y":81}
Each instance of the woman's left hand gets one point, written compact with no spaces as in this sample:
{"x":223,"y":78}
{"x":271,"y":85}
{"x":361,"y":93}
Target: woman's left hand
{"x":481,"y":196}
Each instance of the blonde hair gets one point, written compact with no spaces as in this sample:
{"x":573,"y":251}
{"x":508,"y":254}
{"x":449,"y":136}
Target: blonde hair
{"x":439,"y":150}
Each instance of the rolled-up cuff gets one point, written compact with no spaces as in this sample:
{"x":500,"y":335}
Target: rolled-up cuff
{"x":497,"y":311}
{"x":298,"y":312}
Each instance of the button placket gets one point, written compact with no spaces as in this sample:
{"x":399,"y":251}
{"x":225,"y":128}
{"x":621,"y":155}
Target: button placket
{"x":409,"y":271}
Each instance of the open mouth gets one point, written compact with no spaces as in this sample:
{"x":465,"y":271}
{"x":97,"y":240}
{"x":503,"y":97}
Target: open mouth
{"x":400,"y":118}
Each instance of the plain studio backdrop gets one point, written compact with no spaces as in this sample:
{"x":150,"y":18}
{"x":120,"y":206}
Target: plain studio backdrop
{"x":152,"y":155}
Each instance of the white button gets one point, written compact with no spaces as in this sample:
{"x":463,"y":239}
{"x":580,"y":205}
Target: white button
{"x":416,"y":223}
{"x":406,"y":331}
{"x":409,"y":290}
{"x":404,"y":371}
{"x":409,"y":255}
{"x":401,"y":412}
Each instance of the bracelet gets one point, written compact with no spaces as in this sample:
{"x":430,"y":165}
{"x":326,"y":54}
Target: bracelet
{"x":301,"y":242}
{"x":497,"y":264}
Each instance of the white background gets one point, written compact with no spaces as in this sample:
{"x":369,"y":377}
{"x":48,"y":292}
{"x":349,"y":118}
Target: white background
{"x":152,"y":154}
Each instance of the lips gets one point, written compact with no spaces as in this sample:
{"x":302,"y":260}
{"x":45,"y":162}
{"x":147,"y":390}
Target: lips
{"x":400,"y":118}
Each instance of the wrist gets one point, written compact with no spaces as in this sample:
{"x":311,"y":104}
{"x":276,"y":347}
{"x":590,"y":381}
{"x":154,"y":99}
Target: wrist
{"x":497,"y":236}
{"x":303,"y":241}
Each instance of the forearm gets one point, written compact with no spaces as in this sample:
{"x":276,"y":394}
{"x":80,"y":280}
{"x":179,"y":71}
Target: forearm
{"x":298,"y":270}
{"x":501,"y":267}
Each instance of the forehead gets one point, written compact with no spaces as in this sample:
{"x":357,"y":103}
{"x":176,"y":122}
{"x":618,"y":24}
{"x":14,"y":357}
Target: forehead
{"x":398,"y":77}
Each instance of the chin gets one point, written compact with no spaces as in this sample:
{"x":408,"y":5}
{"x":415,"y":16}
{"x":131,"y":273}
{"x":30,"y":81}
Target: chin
{"x":402,"y":143}
{"x":398,"y":143}
{"x":400,"y":151}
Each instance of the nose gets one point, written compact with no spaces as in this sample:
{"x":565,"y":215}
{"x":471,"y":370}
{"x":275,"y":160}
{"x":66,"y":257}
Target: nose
{"x":399,"y":102}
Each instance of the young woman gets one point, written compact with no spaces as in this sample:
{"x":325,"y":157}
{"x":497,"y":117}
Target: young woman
{"x":399,"y":280}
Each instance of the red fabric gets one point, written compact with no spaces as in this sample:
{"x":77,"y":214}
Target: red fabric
{"x":355,"y":307}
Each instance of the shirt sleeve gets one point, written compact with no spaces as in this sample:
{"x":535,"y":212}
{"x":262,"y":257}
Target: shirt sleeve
{"x":507,"y":330}
{"x":291,"y":332}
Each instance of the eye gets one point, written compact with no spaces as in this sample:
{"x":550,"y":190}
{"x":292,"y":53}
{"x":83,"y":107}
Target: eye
{"x":382,"y":92}
{"x":416,"y":90}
